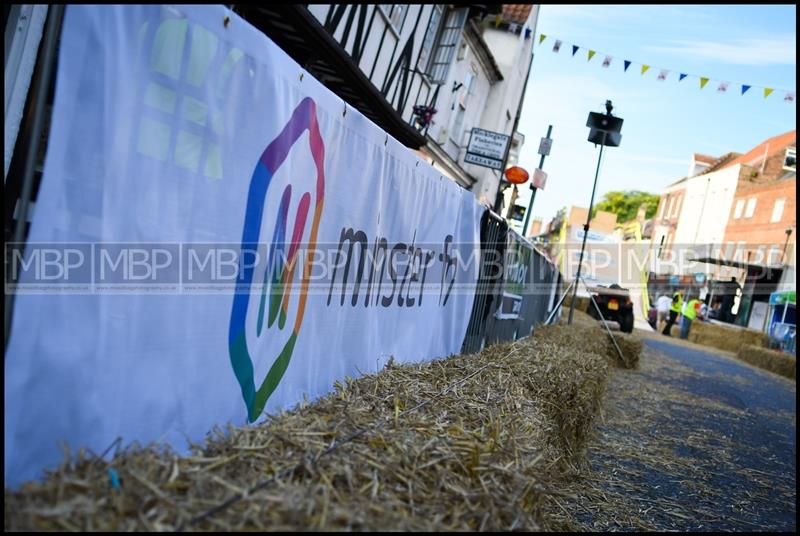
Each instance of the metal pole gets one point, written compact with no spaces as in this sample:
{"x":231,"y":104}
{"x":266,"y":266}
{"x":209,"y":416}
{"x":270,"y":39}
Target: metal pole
{"x":533,"y":193}
{"x":597,"y":307}
{"x":560,"y":301}
{"x":586,"y":230}
{"x":54,"y":18}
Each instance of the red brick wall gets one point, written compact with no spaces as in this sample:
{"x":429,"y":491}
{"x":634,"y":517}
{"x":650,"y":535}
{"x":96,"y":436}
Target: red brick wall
{"x":759,"y":229}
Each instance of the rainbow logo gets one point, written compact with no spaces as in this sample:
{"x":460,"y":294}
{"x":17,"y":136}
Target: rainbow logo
{"x":277,"y":277}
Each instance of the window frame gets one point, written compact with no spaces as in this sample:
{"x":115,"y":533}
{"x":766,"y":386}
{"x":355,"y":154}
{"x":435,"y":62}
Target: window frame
{"x":738,"y":209}
{"x":791,"y":152}
{"x":781,"y":202}
{"x":750,"y":209}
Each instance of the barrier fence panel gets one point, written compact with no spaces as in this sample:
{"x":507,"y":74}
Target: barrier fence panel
{"x":516,"y":287}
{"x":493,"y":244}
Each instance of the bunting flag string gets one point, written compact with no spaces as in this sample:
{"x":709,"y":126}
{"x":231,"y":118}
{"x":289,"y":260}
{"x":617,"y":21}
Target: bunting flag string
{"x":722,"y":87}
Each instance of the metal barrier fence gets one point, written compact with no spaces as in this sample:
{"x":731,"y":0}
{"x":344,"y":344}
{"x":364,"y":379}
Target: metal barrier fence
{"x":516,"y":290}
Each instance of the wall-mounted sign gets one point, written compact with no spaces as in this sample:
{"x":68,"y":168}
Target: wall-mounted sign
{"x":486,"y":148}
{"x":539,"y":179}
{"x":544,"y":146}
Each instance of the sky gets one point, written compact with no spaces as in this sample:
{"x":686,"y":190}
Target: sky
{"x":665,"y":122}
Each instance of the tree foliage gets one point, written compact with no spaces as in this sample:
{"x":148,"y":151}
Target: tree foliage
{"x":626,"y":204}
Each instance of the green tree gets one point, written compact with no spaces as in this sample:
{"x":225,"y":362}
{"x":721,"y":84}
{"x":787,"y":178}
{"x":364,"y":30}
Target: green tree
{"x":626,"y":204}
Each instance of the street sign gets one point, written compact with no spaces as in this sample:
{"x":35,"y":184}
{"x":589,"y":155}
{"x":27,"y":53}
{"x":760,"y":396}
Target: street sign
{"x":483,"y":161}
{"x":486,"y":148}
{"x":539,"y":179}
{"x":544,"y":146}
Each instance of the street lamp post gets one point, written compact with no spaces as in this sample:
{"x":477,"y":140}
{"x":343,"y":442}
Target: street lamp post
{"x":544,"y":153}
{"x":605,"y":130}
{"x":788,"y":234}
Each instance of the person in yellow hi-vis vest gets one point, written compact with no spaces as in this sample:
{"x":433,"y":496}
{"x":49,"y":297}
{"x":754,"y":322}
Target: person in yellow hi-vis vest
{"x":674,"y":311}
{"x":688,"y":315}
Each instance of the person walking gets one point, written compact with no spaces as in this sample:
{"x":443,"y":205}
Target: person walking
{"x":674,"y":311}
{"x":662,"y":311}
{"x":689,"y":314}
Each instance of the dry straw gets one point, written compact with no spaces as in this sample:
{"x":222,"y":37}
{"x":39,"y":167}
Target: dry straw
{"x":725,"y":338}
{"x":771,"y":360}
{"x":466,"y":443}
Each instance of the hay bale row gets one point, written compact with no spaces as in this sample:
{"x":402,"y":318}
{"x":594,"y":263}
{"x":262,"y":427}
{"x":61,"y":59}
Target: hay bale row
{"x":771,"y":360}
{"x":582,"y":303}
{"x":725,"y":338}
{"x":465,"y":443}
{"x":590,"y":336}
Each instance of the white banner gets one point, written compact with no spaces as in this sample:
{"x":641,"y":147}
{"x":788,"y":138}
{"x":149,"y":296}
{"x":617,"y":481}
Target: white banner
{"x":220,"y":204}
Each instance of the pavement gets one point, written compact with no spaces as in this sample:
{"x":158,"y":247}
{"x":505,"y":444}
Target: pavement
{"x":694,"y":440}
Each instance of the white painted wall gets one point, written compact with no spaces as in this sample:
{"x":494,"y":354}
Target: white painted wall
{"x":513,"y":54}
{"x":489,"y":106}
{"x":706,"y":207}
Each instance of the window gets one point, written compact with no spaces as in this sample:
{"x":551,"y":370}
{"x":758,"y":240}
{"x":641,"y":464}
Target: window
{"x":661,"y":209}
{"x":677,"y":206}
{"x":430,"y":38}
{"x":777,"y":211}
{"x":669,"y":209}
{"x":446,"y":45}
{"x":737,"y":213}
{"x":751,"y":208}
{"x":396,"y":13}
{"x":790,"y":160}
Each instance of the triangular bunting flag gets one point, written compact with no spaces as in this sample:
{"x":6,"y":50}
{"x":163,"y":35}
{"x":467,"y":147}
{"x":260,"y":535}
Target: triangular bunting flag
{"x":557,"y":46}
{"x":574,"y":49}
{"x":591,"y":55}
{"x":663,"y":74}
{"x":541,"y":38}
{"x":703,"y":82}
{"x":644,"y":68}
{"x":767,"y":91}
{"x":789,"y":97}
{"x":723,"y":87}
{"x":497,"y":21}
{"x":744,"y":89}
{"x":627,"y":64}
{"x":682,"y":77}
{"x":607,"y":61}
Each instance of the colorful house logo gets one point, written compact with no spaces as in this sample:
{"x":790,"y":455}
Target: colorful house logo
{"x":278,"y":276}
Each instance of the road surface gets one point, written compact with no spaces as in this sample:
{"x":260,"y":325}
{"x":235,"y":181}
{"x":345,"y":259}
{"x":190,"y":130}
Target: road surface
{"x":693,"y":440}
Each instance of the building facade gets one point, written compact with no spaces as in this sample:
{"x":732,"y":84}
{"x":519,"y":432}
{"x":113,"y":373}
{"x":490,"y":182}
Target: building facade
{"x":427,"y":74}
{"x":736,"y":216}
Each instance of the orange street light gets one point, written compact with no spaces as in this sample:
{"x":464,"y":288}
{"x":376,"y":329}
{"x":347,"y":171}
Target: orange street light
{"x":516,"y":175}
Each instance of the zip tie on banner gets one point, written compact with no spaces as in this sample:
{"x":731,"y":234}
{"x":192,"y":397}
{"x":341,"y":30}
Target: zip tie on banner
{"x":113,"y":477}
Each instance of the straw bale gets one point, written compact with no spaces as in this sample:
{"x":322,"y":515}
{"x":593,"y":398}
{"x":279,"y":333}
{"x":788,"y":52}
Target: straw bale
{"x":465,"y":443}
{"x":724,"y":338}
{"x":771,"y":360}
{"x":591,"y":336}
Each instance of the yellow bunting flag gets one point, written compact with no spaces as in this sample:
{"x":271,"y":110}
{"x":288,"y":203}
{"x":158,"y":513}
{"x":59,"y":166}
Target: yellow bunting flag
{"x":497,"y":20}
{"x":541,"y":38}
{"x":644,"y":68}
{"x":767,"y":91}
{"x":703,"y":82}
{"x":591,"y":54}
